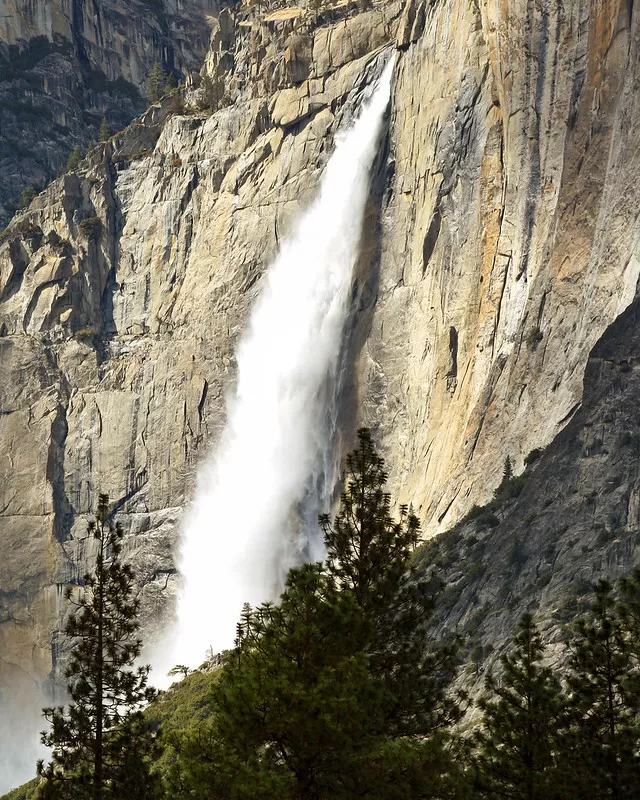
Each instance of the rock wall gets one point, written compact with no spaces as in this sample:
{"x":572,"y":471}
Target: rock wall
{"x":501,"y":242}
{"x":510,"y":239}
{"x":575,"y":520}
{"x":123,"y":289}
{"x":64,"y":64}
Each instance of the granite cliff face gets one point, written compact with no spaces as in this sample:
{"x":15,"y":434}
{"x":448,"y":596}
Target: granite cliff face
{"x":64,"y":64}
{"x":501,"y":244}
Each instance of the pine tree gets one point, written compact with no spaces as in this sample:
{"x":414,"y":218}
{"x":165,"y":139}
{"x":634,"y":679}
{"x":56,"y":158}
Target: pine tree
{"x":170,"y":83}
{"x":101,"y":743}
{"x":628,"y":611}
{"x":105,"y":133}
{"x":507,"y":472}
{"x":155,"y":83}
{"x":367,"y":550}
{"x":307,"y":703}
{"x":369,"y":555}
{"x":601,"y":748}
{"x":332,"y":694}
{"x":74,"y":160}
{"x":517,"y":743}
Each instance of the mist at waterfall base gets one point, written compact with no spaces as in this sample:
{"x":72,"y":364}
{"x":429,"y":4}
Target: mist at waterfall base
{"x":21,"y":721}
{"x":255,"y":510}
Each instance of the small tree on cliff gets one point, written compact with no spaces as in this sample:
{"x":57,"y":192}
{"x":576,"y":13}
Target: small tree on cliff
{"x":101,"y":743}
{"x":105,"y":132}
{"x":155,"y":83}
{"x":74,"y":160}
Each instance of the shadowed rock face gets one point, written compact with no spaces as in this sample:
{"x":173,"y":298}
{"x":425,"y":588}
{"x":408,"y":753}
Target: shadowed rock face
{"x":575,"y":521}
{"x":64,"y":64}
{"x":500,"y":245}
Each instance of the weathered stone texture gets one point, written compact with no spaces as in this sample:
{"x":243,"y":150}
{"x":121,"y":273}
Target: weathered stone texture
{"x":510,"y":237}
{"x":502,"y":242}
{"x":64,"y":64}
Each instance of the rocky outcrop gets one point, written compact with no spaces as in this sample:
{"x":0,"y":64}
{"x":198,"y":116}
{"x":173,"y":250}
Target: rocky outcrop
{"x":66,"y":64}
{"x":123,"y":289}
{"x":501,"y":244}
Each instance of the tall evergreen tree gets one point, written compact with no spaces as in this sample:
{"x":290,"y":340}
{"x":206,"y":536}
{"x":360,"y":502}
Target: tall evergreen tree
{"x":332,"y":694}
{"x":601,"y":749}
{"x":507,"y":472}
{"x":517,"y":741}
{"x":105,"y":133}
{"x":369,"y":555}
{"x":101,"y":742}
{"x":74,"y":160}
{"x":367,"y":550}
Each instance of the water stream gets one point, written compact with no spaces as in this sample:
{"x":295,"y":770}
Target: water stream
{"x":274,"y":465}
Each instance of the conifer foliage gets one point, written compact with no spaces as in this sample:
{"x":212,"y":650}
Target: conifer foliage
{"x":105,"y":132}
{"x":574,"y":733}
{"x":601,"y":746}
{"x":334,"y":693}
{"x":369,"y":556}
{"x":517,"y":744}
{"x":155,"y":83}
{"x":367,"y":550}
{"x":101,"y":742}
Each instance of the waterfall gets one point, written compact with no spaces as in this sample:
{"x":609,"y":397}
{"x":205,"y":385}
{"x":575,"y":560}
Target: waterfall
{"x":271,"y":470}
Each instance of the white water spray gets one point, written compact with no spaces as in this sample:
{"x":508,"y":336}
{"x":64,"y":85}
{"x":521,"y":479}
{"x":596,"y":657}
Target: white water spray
{"x":239,"y":536}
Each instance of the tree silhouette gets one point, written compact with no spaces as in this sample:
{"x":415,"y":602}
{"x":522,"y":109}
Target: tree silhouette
{"x":517,"y":742}
{"x":101,"y":742}
{"x":105,"y":133}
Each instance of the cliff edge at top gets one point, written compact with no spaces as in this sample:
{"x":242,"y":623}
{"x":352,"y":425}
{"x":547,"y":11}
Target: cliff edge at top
{"x":65,"y":65}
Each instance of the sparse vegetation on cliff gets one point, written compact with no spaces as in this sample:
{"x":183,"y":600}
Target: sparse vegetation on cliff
{"x":91,"y":228}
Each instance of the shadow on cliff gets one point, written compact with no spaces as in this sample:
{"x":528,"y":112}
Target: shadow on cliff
{"x":577,"y":518}
{"x":365,"y":291}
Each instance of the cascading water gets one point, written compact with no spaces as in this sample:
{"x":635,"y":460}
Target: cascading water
{"x":239,"y":536}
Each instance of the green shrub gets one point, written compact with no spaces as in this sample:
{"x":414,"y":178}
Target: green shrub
{"x":516,"y":555}
{"x":84,"y":334}
{"x":533,"y":456}
{"x":487,"y":519}
{"x":476,"y":570}
{"x":91,"y":227}
{"x":544,"y":578}
{"x":27,"y":196}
